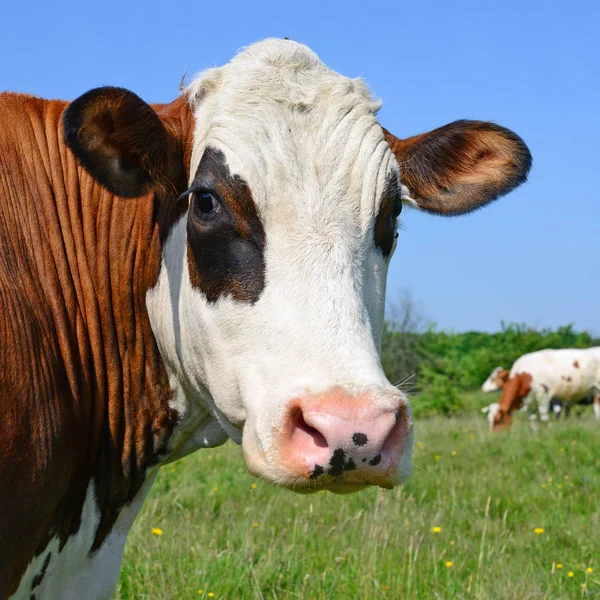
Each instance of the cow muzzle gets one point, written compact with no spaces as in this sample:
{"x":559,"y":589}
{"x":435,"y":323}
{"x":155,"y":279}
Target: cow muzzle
{"x":343,"y":441}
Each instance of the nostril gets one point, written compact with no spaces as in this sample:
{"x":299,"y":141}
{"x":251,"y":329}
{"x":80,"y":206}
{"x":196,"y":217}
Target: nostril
{"x":299,"y":424}
{"x":394,"y":439}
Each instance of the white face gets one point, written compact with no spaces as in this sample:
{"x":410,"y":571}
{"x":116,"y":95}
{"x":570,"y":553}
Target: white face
{"x":281,"y":341}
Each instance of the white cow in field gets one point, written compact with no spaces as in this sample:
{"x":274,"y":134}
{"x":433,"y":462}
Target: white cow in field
{"x":568,"y":375}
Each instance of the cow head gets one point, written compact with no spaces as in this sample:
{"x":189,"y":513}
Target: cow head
{"x":515,"y":390}
{"x":496,"y":380}
{"x":269,"y":306}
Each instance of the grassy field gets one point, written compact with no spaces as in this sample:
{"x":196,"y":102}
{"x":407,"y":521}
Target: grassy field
{"x":511,"y":516}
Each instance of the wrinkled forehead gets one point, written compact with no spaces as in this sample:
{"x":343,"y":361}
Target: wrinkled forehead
{"x":290,"y":127}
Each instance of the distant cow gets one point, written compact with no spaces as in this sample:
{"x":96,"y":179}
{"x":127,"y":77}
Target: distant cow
{"x":567,"y":375}
{"x":496,"y":380}
{"x":173,"y":275}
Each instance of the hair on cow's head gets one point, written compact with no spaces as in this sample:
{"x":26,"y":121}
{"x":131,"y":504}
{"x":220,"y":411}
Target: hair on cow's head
{"x":121,"y":141}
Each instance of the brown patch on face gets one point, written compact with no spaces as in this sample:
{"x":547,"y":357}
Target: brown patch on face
{"x":576,"y":364}
{"x":461,"y":166}
{"x":511,"y":398}
{"x":501,"y":378}
{"x":225,"y":245}
{"x":385,"y":224}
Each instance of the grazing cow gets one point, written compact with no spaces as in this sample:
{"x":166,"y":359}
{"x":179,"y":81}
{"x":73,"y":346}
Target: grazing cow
{"x":174,"y":275}
{"x":558,"y":408}
{"x":566,"y":375}
{"x":496,"y":380}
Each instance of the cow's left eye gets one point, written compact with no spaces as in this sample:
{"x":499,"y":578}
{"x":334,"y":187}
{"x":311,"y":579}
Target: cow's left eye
{"x":397,"y":206}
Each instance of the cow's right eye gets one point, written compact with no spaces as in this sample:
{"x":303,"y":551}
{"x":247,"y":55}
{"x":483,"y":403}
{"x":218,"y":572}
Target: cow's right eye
{"x":206,"y":205}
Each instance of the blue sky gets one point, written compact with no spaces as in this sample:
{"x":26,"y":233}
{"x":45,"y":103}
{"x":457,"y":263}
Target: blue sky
{"x":532,"y":66}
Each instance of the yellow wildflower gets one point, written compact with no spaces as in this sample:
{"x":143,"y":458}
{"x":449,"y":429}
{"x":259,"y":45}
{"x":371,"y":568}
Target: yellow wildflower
{"x":215,"y":489}
{"x":254,"y":524}
{"x":589,"y":570}
{"x":210,"y":594}
{"x":157,"y":531}
{"x":559,"y":565}
{"x":449,"y":564}
{"x":253,"y":486}
{"x":200,"y":592}
{"x":571,"y":574}
{"x":452,"y":542}
{"x":566,"y":478}
{"x":538,"y":530}
{"x":454,"y":452}
{"x":437,"y":457}
{"x":436,"y":529}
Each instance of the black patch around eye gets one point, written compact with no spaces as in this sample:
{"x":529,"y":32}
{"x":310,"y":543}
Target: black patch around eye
{"x":226,"y":239}
{"x":385,"y":224}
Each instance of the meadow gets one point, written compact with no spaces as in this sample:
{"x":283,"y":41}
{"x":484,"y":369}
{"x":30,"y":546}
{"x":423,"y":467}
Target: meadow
{"x":511,"y":515}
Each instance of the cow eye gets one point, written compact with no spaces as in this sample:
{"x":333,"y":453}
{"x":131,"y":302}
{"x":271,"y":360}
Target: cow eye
{"x":397,"y":206}
{"x":206,"y":205}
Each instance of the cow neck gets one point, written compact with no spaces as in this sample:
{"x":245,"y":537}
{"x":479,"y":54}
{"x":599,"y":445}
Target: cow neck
{"x":85,"y":392}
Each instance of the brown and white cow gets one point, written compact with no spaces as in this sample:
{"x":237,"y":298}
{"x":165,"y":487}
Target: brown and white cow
{"x":175,"y":275}
{"x":538,"y":378}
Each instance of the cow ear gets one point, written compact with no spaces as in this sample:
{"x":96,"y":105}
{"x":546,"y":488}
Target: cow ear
{"x":120,"y":140}
{"x":460,"y":167}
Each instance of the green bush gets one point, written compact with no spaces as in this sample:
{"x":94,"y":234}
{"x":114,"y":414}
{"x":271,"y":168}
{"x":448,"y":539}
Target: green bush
{"x":442,"y":365}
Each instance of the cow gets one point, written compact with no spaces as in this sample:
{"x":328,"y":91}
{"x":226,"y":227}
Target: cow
{"x":559,"y":408}
{"x":175,"y":275}
{"x":540,"y":378}
{"x":496,"y":380}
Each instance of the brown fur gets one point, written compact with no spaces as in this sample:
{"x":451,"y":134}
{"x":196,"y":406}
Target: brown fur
{"x":83,"y":391}
{"x":460,"y":166}
{"x":576,"y":364}
{"x":511,"y":398}
{"x":501,"y":377}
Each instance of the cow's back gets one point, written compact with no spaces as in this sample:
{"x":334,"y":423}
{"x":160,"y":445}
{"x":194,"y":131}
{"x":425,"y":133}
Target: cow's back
{"x":567,"y":374}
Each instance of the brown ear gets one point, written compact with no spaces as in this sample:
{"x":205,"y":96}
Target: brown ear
{"x":120,"y":140}
{"x":503,"y":375}
{"x":462,"y":166}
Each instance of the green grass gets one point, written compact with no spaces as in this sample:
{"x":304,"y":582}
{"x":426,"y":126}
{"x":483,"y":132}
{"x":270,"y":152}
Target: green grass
{"x":230,"y":538}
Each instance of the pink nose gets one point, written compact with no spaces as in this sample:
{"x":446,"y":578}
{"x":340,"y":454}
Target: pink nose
{"x":336,"y":433}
